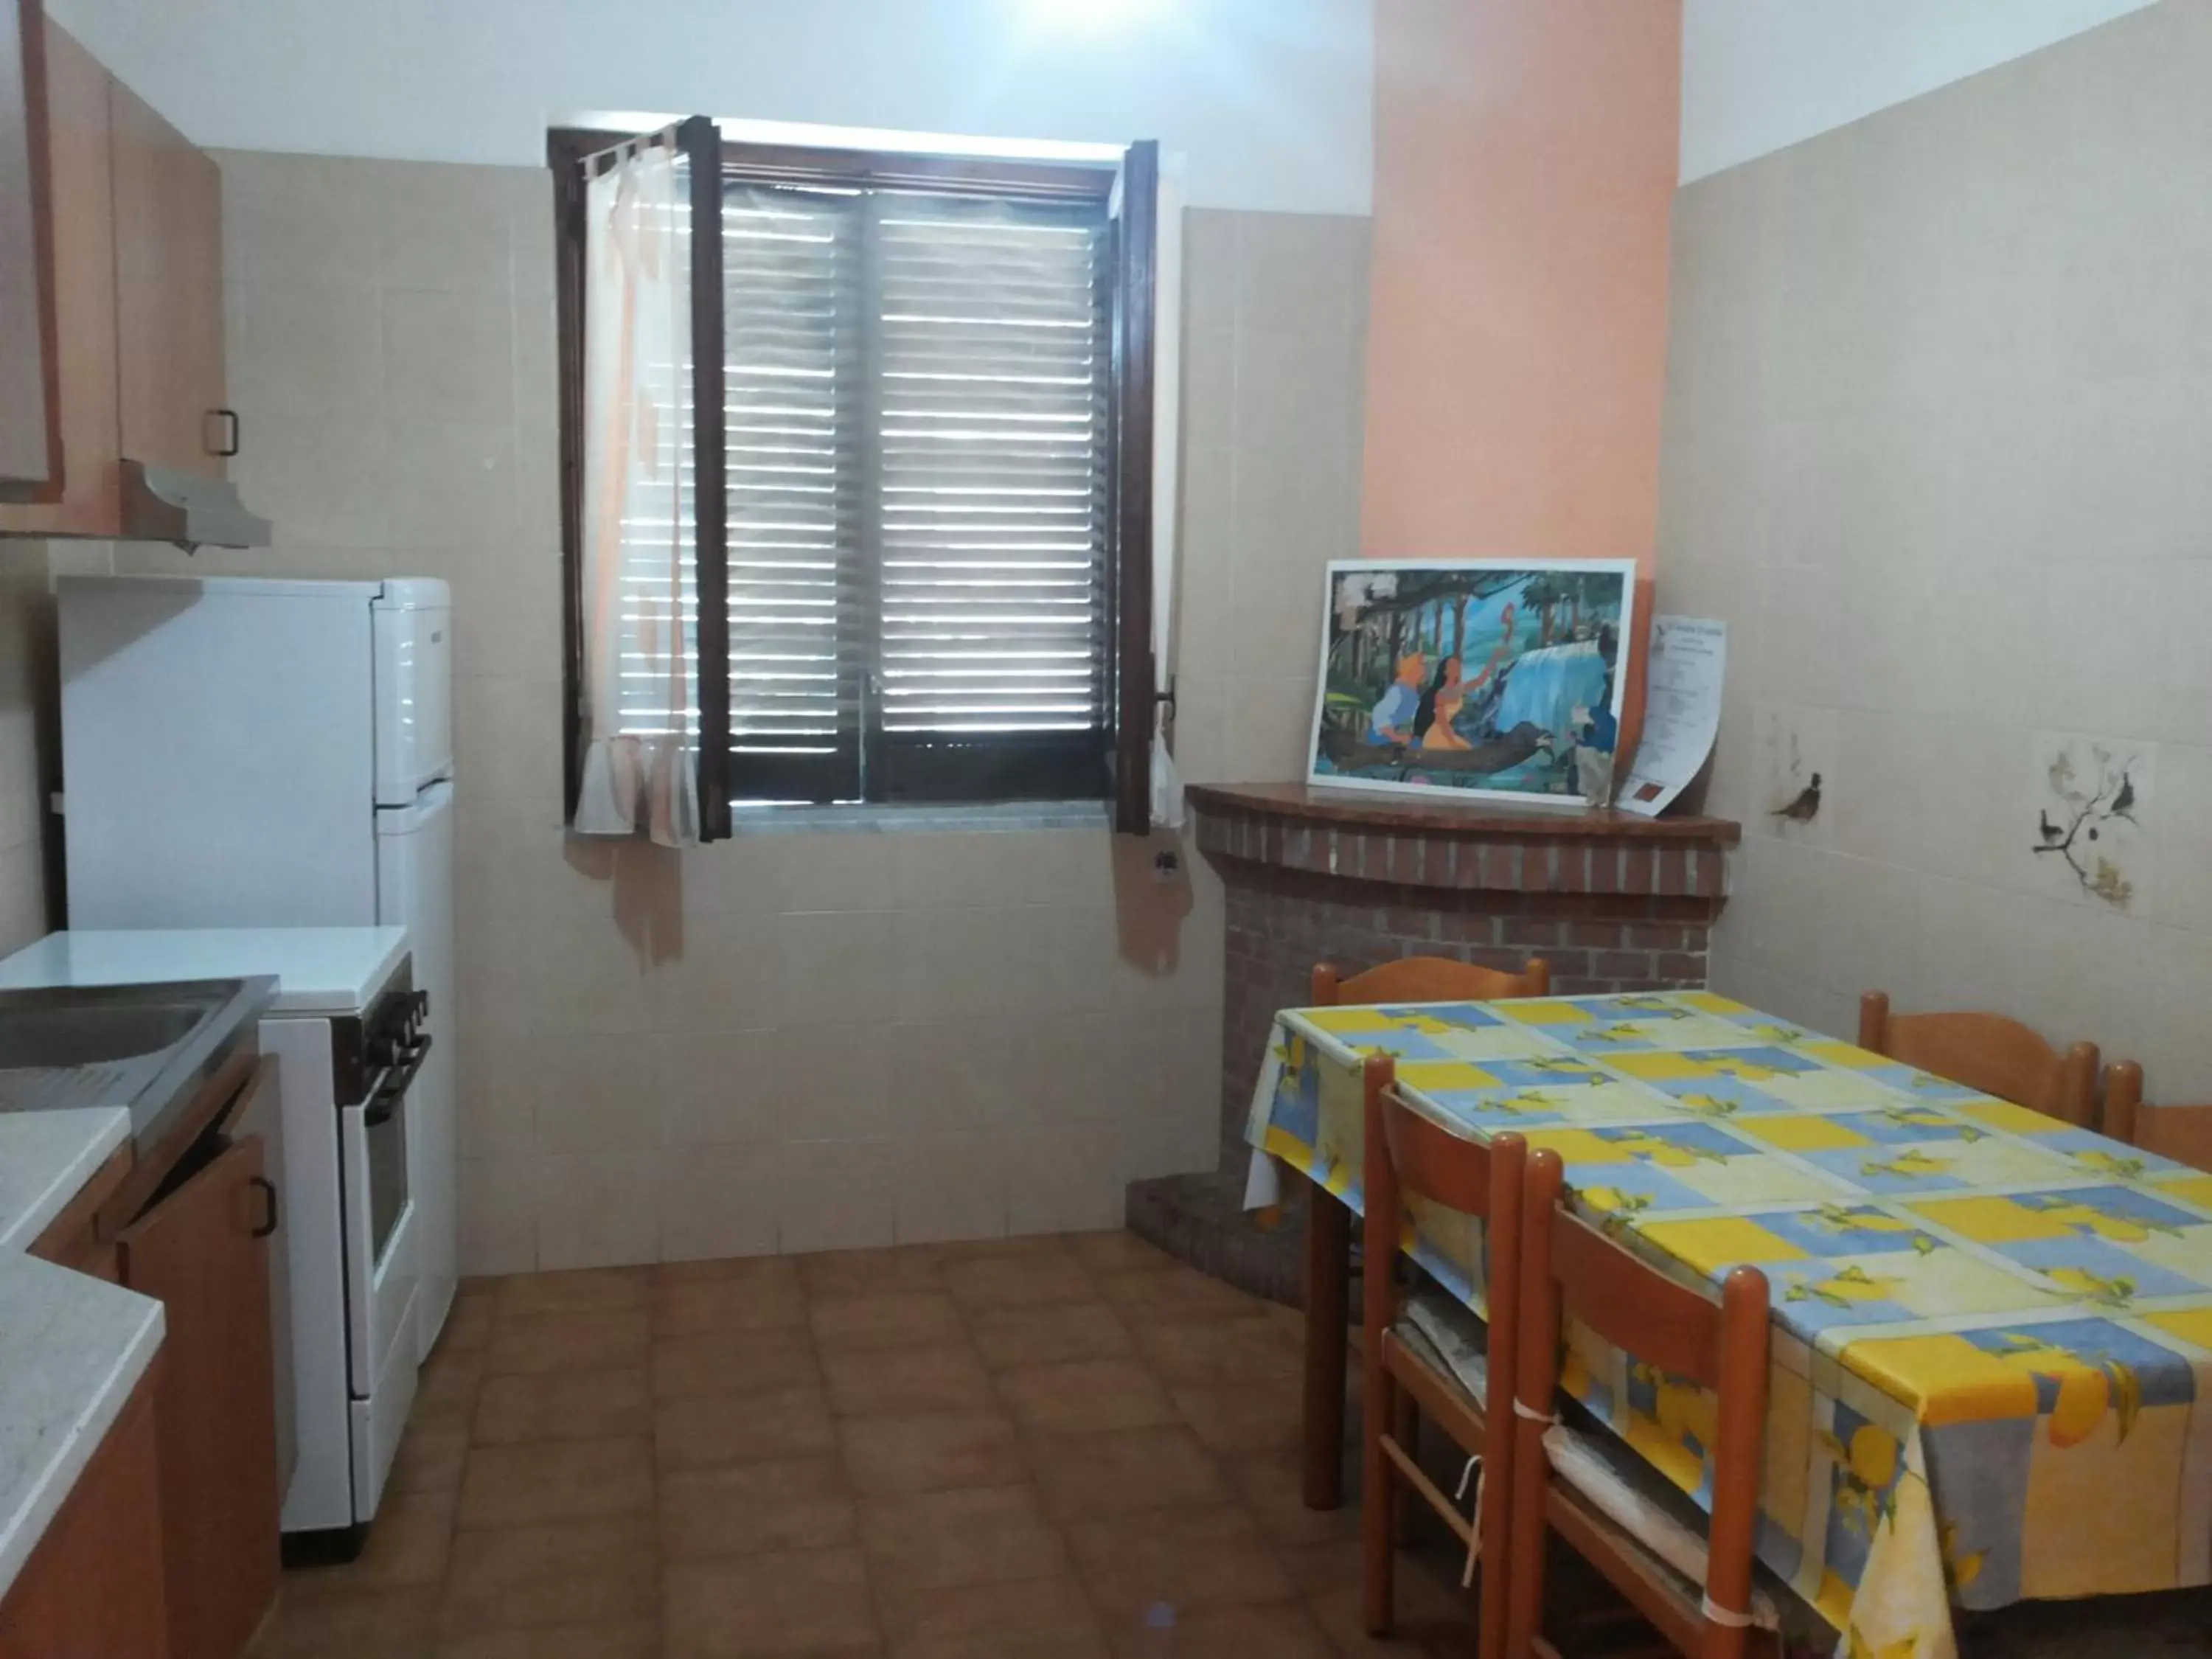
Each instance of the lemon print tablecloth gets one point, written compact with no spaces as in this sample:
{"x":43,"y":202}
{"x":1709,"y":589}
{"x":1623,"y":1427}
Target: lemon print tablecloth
{"x":1992,"y":1329}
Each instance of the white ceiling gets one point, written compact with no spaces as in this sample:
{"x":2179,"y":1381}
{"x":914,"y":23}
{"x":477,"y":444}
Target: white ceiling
{"x":1760,"y":74}
{"x":1269,"y":100}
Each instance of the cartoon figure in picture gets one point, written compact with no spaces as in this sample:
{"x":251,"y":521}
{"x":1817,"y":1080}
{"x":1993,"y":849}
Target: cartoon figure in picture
{"x":1440,"y":705}
{"x":1393,"y":719}
{"x":1436,"y":726}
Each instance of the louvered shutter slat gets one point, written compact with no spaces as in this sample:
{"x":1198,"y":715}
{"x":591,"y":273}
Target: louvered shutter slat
{"x":792,"y":284}
{"x":992,"y":364}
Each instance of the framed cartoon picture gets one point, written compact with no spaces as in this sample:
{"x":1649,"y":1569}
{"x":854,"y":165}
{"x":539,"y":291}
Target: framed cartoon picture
{"x":1481,"y":680}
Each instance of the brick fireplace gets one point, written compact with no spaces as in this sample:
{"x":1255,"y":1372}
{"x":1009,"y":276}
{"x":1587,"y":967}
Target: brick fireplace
{"x":1612,"y":901}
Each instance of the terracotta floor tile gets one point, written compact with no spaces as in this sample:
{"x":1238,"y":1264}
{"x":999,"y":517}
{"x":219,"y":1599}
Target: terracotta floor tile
{"x":1077,"y":1476}
{"x":446,"y":1392}
{"x":574,"y":1291}
{"x":563,"y":1405}
{"x":468,"y":1324}
{"x":1046,"y":1335}
{"x":682,"y":1306}
{"x":428,"y":1459}
{"x":1018,"y":1281}
{"x":407,"y":1546}
{"x":587,"y":1340}
{"x":1272,"y":1486}
{"x":1183,"y":1561}
{"x":934,"y":1539}
{"x":1238,"y":1419}
{"x":794,"y":1503}
{"x":788,"y":1602}
{"x":626,"y":1638}
{"x":904,"y":1381}
{"x":376,"y":1624}
{"x":932,"y":1451}
{"x":1083,"y":1396}
{"x":1433,"y":1614}
{"x":709,"y":1431}
{"x":898,"y":1319}
{"x":1046,"y":1617}
{"x":1118,"y":1251}
{"x":557,"y":1573}
{"x":763,"y":1273}
{"x":1175,"y":1293}
{"x":1244,"y":1349}
{"x":734,"y":1361}
{"x":1282,"y":1632}
{"x":871,"y":1272}
{"x":555,"y":1481}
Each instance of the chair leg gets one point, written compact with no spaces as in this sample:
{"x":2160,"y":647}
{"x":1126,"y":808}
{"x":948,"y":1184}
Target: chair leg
{"x":1376,"y":1517}
{"x":1329,"y":1303}
{"x":1405,"y":1430}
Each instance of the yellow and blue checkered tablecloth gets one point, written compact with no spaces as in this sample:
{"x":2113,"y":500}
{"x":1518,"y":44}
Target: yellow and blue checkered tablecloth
{"x":1992,"y":1329}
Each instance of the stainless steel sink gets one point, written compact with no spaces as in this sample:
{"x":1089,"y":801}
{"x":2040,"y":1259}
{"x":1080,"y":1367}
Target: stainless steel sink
{"x":139,"y":1046}
{"x":89,"y":1036}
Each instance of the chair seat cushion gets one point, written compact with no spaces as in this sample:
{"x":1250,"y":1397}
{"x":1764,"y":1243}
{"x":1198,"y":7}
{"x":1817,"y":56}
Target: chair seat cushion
{"x":1644,"y":1503}
{"x":1448,"y":1336}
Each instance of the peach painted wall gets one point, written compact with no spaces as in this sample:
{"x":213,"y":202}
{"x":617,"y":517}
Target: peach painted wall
{"x":1526,"y":154}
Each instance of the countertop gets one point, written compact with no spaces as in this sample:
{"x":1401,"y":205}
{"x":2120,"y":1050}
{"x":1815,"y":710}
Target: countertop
{"x":319,"y":971}
{"x":71,"y":1346}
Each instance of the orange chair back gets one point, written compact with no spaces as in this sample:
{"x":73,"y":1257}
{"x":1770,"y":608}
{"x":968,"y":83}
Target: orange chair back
{"x":1567,"y":1265}
{"x":2181,"y":1133}
{"x":1989,"y":1052}
{"x":1407,"y":1153}
{"x":1431,"y":979}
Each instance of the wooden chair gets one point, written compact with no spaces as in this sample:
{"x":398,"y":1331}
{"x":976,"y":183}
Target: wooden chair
{"x":1328,"y":1223}
{"x":1427,"y":1362}
{"x":1431,"y":979}
{"x":1989,"y":1052}
{"x":1569,"y":1266}
{"x":2183,"y":1133}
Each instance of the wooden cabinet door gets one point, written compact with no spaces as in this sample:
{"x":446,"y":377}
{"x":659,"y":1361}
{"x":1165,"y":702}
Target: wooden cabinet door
{"x":168,"y":290}
{"x":94,"y":1585}
{"x":30,"y":393}
{"x":90,"y":503}
{"x":199,"y":1251}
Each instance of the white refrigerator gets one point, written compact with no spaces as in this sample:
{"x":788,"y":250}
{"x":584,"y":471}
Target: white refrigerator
{"x":242,"y":752}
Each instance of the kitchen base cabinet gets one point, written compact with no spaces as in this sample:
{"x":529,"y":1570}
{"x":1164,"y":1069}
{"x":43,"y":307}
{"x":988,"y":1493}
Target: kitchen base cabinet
{"x":201,"y":1247}
{"x":95,"y":1584}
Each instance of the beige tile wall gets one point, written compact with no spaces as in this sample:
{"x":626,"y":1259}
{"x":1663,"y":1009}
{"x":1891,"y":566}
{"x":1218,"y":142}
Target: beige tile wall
{"x":1939,"y":408}
{"x":791,"y":1041}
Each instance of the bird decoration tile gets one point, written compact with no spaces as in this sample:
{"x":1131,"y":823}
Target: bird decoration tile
{"x":2088,"y":839}
{"x":1796,"y":747}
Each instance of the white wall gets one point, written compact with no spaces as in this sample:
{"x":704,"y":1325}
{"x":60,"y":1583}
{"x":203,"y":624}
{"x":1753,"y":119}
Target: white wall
{"x":1759,"y":75}
{"x":1271,"y":99}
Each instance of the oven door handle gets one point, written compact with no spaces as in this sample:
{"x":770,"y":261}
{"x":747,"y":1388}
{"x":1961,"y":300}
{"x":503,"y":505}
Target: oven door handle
{"x":384,"y":1099}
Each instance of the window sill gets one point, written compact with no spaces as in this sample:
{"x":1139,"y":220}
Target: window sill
{"x":919,"y":818}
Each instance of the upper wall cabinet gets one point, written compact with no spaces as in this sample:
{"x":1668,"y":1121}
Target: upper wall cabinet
{"x":30,"y":419}
{"x":168,"y":292}
{"x":137,"y":257}
{"x":90,"y":503}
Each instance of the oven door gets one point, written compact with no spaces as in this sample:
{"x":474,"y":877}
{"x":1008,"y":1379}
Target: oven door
{"x":380,"y":1240}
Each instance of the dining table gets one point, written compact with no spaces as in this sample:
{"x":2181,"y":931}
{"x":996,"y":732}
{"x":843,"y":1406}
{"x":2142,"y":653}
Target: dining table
{"x":1992,"y":1329}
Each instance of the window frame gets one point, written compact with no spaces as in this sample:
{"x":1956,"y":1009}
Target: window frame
{"x":1129,"y":193}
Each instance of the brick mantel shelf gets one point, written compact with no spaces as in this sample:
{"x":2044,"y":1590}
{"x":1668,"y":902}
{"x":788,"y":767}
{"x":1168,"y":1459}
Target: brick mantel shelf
{"x":1612,"y":901}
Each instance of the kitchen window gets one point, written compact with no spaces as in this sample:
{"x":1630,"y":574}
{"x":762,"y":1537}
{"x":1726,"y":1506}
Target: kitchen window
{"x":935,"y":446}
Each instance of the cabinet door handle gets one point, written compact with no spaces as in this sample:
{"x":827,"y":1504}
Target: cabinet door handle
{"x":228,"y":446}
{"x":268,"y":1191}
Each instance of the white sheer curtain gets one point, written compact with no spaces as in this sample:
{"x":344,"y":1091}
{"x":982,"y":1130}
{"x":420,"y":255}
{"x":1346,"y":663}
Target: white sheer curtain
{"x":639,"y":740}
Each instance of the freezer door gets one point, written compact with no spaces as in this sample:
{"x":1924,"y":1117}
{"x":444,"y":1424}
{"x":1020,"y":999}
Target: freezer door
{"x":217,"y":752}
{"x":414,"y":627}
{"x":415,"y":891}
